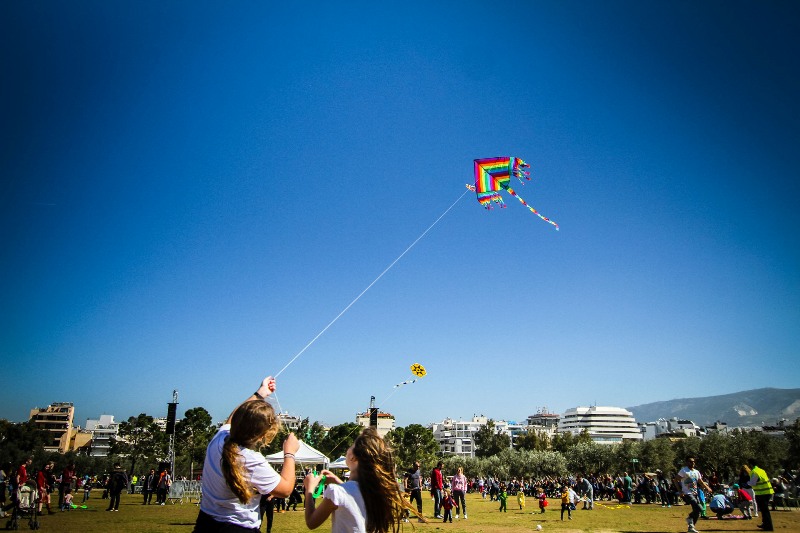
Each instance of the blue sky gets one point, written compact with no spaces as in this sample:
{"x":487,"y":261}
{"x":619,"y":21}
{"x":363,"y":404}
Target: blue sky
{"x":192,"y":191}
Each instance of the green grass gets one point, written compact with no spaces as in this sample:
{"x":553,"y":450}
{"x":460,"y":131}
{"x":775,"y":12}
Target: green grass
{"x":484,"y":517}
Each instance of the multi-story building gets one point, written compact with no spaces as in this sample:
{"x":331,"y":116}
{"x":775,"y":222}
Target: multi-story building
{"x":385,"y":422}
{"x":103,"y":431}
{"x":457,"y":437}
{"x":605,"y":425}
{"x":673,"y":427}
{"x":290,"y":422}
{"x":56,"y":419}
{"x":544,"y":419}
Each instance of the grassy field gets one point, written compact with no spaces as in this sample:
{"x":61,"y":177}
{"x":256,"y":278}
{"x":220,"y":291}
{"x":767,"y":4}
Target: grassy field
{"x":483,"y":518}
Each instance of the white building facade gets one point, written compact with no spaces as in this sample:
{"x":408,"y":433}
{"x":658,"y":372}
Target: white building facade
{"x":457,"y":437}
{"x":102,"y":431}
{"x":670,"y":427}
{"x":605,"y":425}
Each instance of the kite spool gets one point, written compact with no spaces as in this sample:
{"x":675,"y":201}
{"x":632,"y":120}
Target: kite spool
{"x":320,"y":488}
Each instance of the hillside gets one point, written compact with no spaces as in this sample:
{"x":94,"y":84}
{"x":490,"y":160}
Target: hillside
{"x":747,"y":408}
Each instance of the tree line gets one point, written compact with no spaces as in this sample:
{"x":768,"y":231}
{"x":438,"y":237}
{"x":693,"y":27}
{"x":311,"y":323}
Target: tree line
{"x":142,"y":444}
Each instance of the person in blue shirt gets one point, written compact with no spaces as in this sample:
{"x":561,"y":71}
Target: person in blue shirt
{"x":720,"y":505}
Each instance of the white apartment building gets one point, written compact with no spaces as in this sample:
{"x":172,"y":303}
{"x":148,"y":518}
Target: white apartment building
{"x":291,"y":422}
{"x":102,"y":432}
{"x":456,"y":437}
{"x":673,"y":426}
{"x":605,"y":425}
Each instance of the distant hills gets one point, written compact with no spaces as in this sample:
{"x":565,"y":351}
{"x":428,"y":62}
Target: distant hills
{"x":748,"y":408}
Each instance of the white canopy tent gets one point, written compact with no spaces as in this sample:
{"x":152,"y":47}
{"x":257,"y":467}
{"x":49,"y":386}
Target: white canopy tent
{"x":338,"y":463}
{"x":305,"y":455}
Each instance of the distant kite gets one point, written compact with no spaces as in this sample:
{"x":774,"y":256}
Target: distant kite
{"x":494,"y":174}
{"x":416,"y":369}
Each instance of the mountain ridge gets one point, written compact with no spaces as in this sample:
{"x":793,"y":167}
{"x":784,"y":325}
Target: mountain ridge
{"x":756,"y":407}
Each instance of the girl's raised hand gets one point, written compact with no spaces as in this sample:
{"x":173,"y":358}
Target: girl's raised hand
{"x":267,"y":387}
{"x":331,"y":478}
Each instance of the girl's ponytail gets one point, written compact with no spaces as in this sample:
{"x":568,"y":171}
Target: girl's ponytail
{"x":252,"y":423}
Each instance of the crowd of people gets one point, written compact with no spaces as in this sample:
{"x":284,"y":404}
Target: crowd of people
{"x":68,"y":489}
{"x":240,"y":488}
{"x":750,"y":491}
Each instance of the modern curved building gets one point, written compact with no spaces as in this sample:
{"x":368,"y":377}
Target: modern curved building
{"x":605,"y":425}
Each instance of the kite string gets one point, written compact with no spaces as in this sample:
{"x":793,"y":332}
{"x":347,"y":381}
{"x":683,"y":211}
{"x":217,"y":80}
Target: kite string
{"x":359,"y":427}
{"x":332,"y":322}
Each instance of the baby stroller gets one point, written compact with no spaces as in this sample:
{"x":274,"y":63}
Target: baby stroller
{"x":26,"y":505}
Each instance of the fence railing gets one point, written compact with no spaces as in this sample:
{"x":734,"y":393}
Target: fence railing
{"x":187,"y":490}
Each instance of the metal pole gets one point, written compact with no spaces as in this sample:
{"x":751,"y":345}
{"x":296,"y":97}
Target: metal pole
{"x":171,"y":452}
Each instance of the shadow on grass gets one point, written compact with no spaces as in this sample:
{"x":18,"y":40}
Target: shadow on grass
{"x":705,"y":529}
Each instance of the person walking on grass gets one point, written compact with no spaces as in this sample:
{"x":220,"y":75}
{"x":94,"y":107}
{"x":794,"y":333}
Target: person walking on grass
{"x":116,"y":484}
{"x":149,"y":486}
{"x":566,"y":502}
{"x":447,"y":506}
{"x":762,"y":487}
{"x":542,"y":497}
{"x":691,"y":482}
{"x":415,"y":487}
{"x":87,"y":489}
{"x":437,"y":486}
{"x":45,"y":480}
{"x":744,"y":501}
{"x":502,"y":496}
{"x":162,"y":490}
{"x":459,"y":486}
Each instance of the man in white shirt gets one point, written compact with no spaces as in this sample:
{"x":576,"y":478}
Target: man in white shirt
{"x":690,"y":481}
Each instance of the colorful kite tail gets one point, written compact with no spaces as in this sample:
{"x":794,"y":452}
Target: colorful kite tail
{"x":486,"y":199}
{"x":534,"y":211}
{"x":518,"y":167}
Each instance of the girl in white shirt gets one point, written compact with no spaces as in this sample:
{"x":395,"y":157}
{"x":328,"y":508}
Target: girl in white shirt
{"x":370,"y":502}
{"x":235,"y":474}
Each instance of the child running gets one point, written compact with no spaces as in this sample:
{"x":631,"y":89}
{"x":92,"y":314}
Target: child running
{"x":566,"y":503}
{"x":521,"y":499}
{"x":502,"y":495}
{"x":370,"y":502}
{"x":542,"y":497}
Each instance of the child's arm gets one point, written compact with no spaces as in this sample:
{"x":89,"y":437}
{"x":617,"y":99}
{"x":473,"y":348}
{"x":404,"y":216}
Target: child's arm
{"x":316,"y":516}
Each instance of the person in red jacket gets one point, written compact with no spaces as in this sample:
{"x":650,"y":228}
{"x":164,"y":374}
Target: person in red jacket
{"x":437,"y":485}
{"x":22,"y":472}
{"x":44,"y":481}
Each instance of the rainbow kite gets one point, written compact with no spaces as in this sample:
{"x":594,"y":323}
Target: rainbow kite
{"x":494,"y":174}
